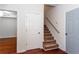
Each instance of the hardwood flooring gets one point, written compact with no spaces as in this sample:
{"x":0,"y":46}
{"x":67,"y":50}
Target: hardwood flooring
{"x":7,"y":45}
{"x":40,"y":51}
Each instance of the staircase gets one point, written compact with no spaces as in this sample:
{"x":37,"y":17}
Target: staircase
{"x":49,"y":42}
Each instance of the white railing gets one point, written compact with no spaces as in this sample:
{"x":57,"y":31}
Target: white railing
{"x":52,"y":25}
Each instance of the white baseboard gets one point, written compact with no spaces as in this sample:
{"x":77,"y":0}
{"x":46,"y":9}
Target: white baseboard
{"x":8,"y":37}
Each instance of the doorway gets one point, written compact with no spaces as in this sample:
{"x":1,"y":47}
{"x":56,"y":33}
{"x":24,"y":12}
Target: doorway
{"x":8,"y":31}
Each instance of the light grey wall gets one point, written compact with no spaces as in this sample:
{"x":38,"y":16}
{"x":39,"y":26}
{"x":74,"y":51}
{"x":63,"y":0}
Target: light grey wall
{"x":8,"y":27}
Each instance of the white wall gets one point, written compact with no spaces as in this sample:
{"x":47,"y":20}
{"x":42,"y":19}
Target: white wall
{"x":8,"y":27}
{"x":22,"y":10}
{"x":57,"y":16}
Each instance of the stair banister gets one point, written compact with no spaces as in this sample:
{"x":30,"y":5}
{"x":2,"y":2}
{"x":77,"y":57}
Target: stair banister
{"x":52,"y":25}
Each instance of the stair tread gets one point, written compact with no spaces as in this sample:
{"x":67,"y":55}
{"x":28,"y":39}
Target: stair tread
{"x":49,"y":40}
{"x":47,"y":33}
{"x":50,"y":48}
{"x":48,"y":36}
{"x":46,"y":30}
{"x":49,"y":45}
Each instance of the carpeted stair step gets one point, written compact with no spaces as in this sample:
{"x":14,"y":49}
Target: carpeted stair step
{"x":45,"y":28}
{"x":47,"y":34}
{"x":49,"y":40}
{"x":50,"y":48}
{"x":47,"y":46}
{"x":46,"y":31}
{"x":48,"y":37}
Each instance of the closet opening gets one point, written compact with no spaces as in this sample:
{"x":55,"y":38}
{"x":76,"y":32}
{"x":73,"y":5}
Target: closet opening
{"x":8,"y":31}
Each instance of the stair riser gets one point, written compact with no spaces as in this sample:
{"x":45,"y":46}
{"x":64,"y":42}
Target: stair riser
{"x":51,"y":42}
{"x":50,"y":47}
{"x":46,"y":31}
{"x":47,"y":35}
{"x":48,"y":38}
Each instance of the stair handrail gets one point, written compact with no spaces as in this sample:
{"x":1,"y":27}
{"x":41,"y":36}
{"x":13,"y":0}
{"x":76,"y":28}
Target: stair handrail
{"x":53,"y":25}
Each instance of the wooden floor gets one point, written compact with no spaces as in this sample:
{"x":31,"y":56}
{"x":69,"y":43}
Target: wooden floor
{"x":7,"y":45}
{"x":40,"y":51}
